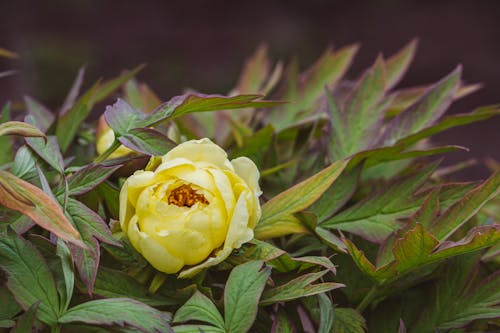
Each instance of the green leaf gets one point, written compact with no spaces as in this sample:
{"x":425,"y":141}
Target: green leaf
{"x":20,"y":128}
{"x":375,"y":217}
{"x":197,"y":329}
{"x":48,"y":150}
{"x":87,"y":178}
{"x":326,"y":314}
{"x":147,"y":141}
{"x":396,"y":66}
{"x":26,"y":322}
{"x":89,"y":222}
{"x":356,"y":125}
{"x":69,"y":121}
{"x":298,"y":288}
{"x":464,"y":209}
{"x":277,"y":214}
{"x":111,"y":283}
{"x":24,"y":164}
{"x":28,"y":276}
{"x":425,"y":111}
{"x":199,"y":308}
{"x":121,"y":312}
{"x":480,"y":114}
{"x":347,"y":320}
{"x":42,"y":117}
{"x":242,"y":293}
{"x":458,"y":298}
{"x":28,"y":199}
{"x":69,"y":276}
{"x":337,"y":194}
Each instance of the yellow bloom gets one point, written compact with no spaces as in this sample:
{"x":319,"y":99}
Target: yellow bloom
{"x":193,"y":209}
{"x":105,"y":138}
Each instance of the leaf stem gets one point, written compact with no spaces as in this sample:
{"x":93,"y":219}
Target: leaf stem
{"x":108,"y":152}
{"x":367,"y":299}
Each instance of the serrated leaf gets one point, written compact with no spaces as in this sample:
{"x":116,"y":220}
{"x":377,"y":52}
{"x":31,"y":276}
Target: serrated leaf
{"x":147,"y":141}
{"x":122,"y":312}
{"x":28,"y":276}
{"x":242,"y":293}
{"x":87,"y":178}
{"x":277,"y":214}
{"x":42,"y":117}
{"x":26,"y":321}
{"x":111,"y":283}
{"x":28,"y":199}
{"x":396,"y":66}
{"x":375,"y":217}
{"x":347,"y":320}
{"x":464,"y":209}
{"x":424,"y":112}
{"x":20,"y":128}
{"x":458,"y":298}
{"x":199,"y":308}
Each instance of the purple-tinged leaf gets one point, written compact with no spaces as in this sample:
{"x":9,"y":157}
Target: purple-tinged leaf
{"x":29,"y":277}
{"x":28,"y":199}
{"x":87,"y":178}
{"x":404,"y":98}
{"x":425,"y":111}
{"x":89,"y":222}
{"x":69,"y":122}
{"x":122,"y":117}
{"x":26,"y":321}
{"x":468,"y":206}
{"x":70,"y":100}
{"x":242,"y":293}
{"x":397,"y":65}
{"x":450,"y":122}
{"x":48,"y":150}
{"x":195,"y":102}
{"x":20,"y":128}
{"x":147,"y":141}
{"x":122,"y":312}
{"x":356,"y":126}
{"x":376,"y":217}
{"x":42,"y":117}
{"x":87,"y":261}
{"x":298,"y":288}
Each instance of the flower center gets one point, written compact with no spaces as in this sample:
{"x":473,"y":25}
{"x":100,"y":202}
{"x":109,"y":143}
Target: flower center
{"x":185,"y":196}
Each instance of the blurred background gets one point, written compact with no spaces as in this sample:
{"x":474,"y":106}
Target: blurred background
{"x":203,"y":44}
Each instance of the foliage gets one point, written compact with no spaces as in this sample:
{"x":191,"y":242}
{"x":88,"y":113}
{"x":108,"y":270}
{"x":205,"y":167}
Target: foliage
{"x":359,"y":231}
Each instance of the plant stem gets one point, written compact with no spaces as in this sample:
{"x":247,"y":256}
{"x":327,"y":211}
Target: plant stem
{"x":108,"y":152}
{"x":367,"y":299}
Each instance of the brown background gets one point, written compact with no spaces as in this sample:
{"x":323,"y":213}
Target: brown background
{"x":202,"y":44}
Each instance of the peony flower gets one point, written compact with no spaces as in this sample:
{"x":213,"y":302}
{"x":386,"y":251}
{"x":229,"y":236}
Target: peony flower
{"x":193,"y":209}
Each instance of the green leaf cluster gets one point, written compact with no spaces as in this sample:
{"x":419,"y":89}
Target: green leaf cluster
{"x":361,"y":228}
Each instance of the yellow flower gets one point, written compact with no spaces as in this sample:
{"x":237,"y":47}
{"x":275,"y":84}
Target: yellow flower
{"x":105,"y":138}
{"x":193,"y":209}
